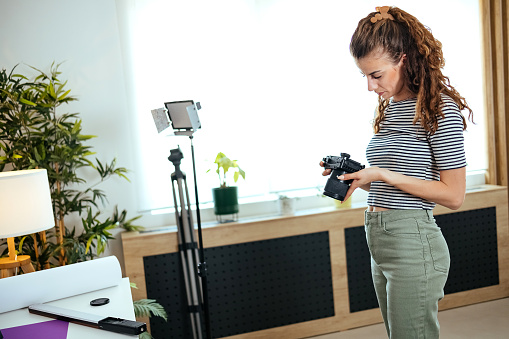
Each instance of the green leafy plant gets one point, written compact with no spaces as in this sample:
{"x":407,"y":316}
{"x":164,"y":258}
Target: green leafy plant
{"x":148,"y":308}
{"x":224,"y":164}
{"x":34,"y":135}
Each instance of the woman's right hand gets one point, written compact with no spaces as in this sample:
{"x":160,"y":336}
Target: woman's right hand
{"x":326,"y":171}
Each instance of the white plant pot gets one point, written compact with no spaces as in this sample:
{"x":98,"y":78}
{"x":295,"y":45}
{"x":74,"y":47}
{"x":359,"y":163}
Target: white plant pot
{"x":287,"y":206}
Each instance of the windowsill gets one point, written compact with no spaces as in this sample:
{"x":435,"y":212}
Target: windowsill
{"x":164,"y":220}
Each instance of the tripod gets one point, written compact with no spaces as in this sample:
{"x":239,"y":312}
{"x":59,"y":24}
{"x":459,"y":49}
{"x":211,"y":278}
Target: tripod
{"x":193,"y":262}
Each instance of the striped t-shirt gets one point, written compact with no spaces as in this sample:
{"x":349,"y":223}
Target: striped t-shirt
{"x":403,"y":147}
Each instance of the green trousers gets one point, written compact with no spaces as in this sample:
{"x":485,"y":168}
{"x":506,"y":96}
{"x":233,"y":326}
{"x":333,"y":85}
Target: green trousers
{"x":409,"y":265}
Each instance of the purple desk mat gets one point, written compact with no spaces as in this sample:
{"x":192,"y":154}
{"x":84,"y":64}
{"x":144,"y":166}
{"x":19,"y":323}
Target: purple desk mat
{"x":55,"y":329}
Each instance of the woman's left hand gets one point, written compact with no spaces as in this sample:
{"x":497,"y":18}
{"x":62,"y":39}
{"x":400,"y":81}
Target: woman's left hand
{"x":362,"y":179}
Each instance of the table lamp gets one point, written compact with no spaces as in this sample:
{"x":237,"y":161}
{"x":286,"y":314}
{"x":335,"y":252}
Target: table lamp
{"x":25,"y":208}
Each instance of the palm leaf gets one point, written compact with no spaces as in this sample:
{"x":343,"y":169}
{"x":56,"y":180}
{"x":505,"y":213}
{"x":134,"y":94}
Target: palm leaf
{"x":146,"y":307}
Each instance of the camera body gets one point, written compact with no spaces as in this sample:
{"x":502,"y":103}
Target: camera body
{"x":334,"y":187}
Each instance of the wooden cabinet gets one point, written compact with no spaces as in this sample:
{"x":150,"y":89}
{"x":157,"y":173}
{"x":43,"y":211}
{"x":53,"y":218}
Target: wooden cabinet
{"x":308,"y":274}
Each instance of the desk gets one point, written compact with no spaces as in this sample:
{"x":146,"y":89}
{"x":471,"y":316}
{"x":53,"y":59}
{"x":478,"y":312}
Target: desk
{"x":120,"y":306}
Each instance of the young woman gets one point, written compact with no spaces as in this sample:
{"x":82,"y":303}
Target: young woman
{"x":416,"y":159}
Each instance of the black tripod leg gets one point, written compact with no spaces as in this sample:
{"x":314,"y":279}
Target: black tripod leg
{"x":188,"y":231}
{"x":193,"y":261}
{"x":186,"y":248}
{"x":202,"y":267}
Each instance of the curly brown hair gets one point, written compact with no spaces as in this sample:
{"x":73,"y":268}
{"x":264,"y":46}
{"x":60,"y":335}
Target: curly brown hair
{"x":404,"y":34}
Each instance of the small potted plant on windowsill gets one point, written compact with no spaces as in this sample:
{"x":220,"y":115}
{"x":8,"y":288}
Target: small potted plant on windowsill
{"x":225,"y":196}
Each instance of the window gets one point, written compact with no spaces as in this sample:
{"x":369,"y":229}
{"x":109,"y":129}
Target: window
{"x":278,"y":87}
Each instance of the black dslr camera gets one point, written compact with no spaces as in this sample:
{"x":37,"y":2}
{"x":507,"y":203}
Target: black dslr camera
{"x":334,"y":187}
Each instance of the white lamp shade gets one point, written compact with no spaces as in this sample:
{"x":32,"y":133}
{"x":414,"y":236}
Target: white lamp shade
{"x":25,"y":203}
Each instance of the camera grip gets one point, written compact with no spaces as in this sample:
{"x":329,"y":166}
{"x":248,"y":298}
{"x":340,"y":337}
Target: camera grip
{"x":337,"y":172}
{"x":336,"y":188}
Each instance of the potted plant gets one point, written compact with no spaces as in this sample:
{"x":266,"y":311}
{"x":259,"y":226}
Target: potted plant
{"x":34,"y":135}
{"x":286,"y":205}
{"x":225,"y":196}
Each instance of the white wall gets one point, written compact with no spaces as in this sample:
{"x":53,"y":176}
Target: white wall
{"x":84,"y":36}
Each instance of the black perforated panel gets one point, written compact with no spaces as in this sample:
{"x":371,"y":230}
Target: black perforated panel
{"x":252,"y":286}
{"x":361,"y":291}
{"x":472,"y":240}
{"x":164,"y":282}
